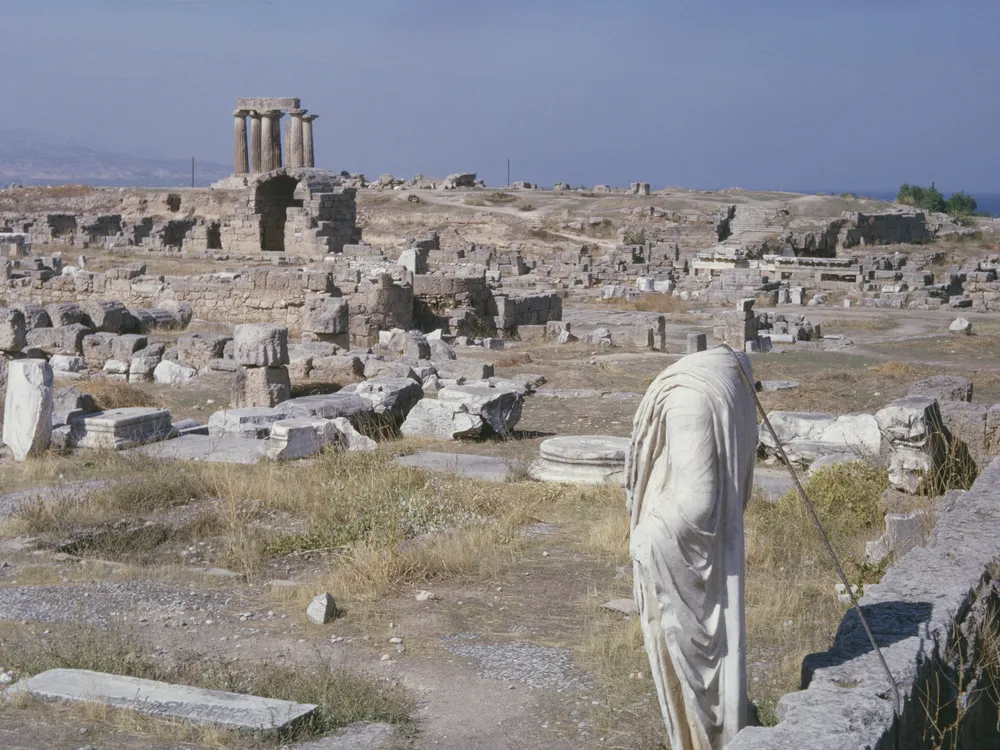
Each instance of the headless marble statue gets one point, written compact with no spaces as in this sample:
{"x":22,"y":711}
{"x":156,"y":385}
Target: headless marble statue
{"x":689,"y":475}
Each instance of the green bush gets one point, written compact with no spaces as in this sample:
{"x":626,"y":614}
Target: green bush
{"x":930,"y":199}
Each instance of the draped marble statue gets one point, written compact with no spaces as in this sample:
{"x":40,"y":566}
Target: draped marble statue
{"x":689,"y":476}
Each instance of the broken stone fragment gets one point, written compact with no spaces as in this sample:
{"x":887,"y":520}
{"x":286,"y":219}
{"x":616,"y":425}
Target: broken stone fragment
{"x":322,"y":609}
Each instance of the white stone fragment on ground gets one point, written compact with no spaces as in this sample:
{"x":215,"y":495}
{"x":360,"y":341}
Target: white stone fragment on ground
{"x":294,"y":438}
{"x":12,"y":329}
{"x":67,"y":363}
{"x":961,"y":326}
{"x":27,"y":419}
{"x":173,"y":373}
{"x":119,"y":429}
{"x":322,"y":609}
{"x":806,"y":436}
{"x":625,"y":606}
{"x":443,"y":420}
{"x":163,"y":700}
{"x":913,"y":428}
{"x":350,"y":438}
{"x":425,"y":596}
{"x":260,"y":345}
{"x":500,"y":409}
{"x":581,"y":459}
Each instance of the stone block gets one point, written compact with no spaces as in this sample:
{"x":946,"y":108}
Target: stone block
{"x":173,"y":373}
{"x":294,"y":438}
{"x":119,"y":429}
{"x":260,"y":386}
{"x":391,"y":398}
{"x":12,"y":330}
{"x":943,"y":388}
{"x":442,"y":420}
{"x":913,"y":428}
{"x":696,"y":342}
{"x":27,"y":418}
{"x":500,"y":409}
{"x":97,"y":348}
{"x":582,"y":459}
{"x":260,"y":345}
{"x":35,"y":315}
{"x":105,"y":315}
{"x":165,"y":701}
{"x":326,"y":315}
{"x":125,"y":346}
{"x":60,"y":340}
{"x":197,"y":349}
{"x":65,"y":314}
{"x":249,"y":423}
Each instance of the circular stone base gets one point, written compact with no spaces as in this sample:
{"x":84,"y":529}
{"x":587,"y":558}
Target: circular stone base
{"x":582,"y":459}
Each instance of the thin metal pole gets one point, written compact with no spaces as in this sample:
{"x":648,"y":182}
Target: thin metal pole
{"x":822,"y":533}
{"x":508,"y":172}
{"x":192,"y":171}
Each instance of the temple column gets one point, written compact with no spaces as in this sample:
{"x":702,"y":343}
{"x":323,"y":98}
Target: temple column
{"x":241,"y":160}
{"x":308,"y":155}
{"x":270,"y":140}
{"x":255,"y":138}
{"x":277,"y":114}
{"x":295,"y":154}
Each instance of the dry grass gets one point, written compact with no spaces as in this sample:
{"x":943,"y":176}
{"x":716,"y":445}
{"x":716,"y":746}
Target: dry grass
{"x":655,"y":302}
{"x":342,"y":696}
{"x":835,"y":325}
{"x":116,"y":394}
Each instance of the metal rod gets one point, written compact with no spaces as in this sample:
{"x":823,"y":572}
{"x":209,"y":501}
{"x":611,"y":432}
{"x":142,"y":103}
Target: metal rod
{"x":822,"y":533}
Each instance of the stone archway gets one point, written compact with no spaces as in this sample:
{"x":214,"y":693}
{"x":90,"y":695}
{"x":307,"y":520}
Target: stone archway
{"x":274,"y":196}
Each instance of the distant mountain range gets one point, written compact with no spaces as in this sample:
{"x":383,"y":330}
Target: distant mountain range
{"x":31,"y":159}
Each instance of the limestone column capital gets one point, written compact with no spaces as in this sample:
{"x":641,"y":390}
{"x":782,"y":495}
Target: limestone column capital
{"x":297,"y":112}
{"x":309,"y":118}
{"x":242,"y":113}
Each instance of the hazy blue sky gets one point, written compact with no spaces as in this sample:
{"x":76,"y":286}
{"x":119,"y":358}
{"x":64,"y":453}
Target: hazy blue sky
{"x":808,"y":94}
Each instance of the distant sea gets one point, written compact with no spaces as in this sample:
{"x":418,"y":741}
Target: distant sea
{"x":988,"y":203}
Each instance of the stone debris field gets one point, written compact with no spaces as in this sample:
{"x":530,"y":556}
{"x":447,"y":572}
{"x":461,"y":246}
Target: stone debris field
{"x":312,"y":460}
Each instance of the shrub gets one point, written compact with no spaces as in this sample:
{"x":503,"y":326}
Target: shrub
{"x":930,"y":199}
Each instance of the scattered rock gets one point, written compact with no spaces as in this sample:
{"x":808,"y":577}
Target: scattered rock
{"x":322,"y":609}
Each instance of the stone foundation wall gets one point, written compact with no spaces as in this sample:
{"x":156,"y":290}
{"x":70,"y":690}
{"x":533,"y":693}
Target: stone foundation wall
{"x":934,"y":616}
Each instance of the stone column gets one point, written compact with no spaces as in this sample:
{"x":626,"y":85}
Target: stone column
{"x":276,"y":115}
{"x":308,"y":155}
{"x":269,"y":160}
{"x":241,"y":161}
{"x":255,"y":152}
{"x":296,"y":158}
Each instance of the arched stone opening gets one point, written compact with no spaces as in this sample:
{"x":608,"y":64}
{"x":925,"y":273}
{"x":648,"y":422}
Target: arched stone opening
{"x":274,"y":197}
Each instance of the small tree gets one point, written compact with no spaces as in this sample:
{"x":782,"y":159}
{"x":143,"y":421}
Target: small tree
{"x":927,"y":199}
{"x":961,"y":204}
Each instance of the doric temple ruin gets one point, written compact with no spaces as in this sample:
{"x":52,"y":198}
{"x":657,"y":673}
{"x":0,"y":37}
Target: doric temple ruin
{"x":265,"y":153}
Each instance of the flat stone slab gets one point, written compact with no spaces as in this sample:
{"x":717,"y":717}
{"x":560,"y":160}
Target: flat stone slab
{"x":773,"y":482}
{"x":489,"y":468}
{"x":221,"y":449}
{"x":582,"y":459}
{"x":625,"y":606}
{"x":119,"y":429}
{"x":357,"y":736}
{"x":778,"y":385}
{"x":164,"y":700}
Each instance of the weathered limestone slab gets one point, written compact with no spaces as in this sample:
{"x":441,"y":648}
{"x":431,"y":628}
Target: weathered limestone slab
{"x":248,"y":423}
{"x":499,"y":408}
{"x":807,"y":436}
{"x":296,"y":438}
{"x":926,"y":614}
{"x":391,"y":397}
{"x":27,"y":418}
{"x":118,"y":429}
{"x":260,"y":386}
{"x":943,"y":388}
{"x":197,"y":349}
{"x":163,"y":700}
{"x":260,"y":345}
{"x":258,"y":103}
{"x":441,"y":419}
{"x":212,"y":449}
{"x":325,"y":315}
{"x":582,"y":459}
{"x":105,"y":315}
{"x":173,"y":373}
{"x":59,"y":340}
{"x":490,"y":468}
{"x":913,"y":428}
{"x":330,"y":406}
{"x":12,"y":330}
